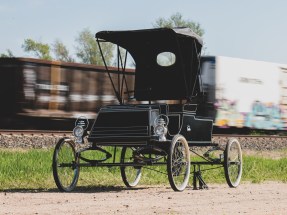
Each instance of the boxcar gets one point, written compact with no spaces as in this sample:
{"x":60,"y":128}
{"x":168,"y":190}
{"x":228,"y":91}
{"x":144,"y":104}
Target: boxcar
{"x":35,"y":93}
{"x":245,"y":93}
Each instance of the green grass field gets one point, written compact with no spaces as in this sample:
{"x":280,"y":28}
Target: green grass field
{"x":32,"y":170}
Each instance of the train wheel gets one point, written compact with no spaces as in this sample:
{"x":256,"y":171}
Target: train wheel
{"x":233,"y":163}
{"x":178,"y":163}
{"x":131,"y":175}
{"x":65,"y":165}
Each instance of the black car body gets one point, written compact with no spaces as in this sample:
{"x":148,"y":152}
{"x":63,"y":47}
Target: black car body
{"x":158,"y":85}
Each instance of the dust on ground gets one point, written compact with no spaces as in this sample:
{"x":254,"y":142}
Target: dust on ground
{"x":265,"y":198}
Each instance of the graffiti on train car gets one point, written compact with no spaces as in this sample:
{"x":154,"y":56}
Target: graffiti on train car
{"x":261,"y":116}
{"x":227,"y":114}
{"x":265,"y":116}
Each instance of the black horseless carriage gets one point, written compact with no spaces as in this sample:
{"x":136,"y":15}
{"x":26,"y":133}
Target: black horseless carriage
{"x":158,"y":122}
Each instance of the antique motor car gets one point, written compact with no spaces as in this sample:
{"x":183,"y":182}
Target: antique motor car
{"x":157,"y":121}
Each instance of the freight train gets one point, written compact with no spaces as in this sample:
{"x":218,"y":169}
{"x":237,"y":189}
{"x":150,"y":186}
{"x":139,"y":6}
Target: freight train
{"x":245,"y":94}
{"x":41,"y":94}
{"x":239,"y":94}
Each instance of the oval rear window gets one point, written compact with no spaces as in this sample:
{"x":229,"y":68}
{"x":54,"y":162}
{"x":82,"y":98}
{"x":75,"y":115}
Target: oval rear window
{"x":166,"y":59}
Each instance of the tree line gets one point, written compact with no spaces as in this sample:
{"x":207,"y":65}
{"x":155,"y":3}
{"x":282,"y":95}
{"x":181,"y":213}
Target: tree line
{"x":86,"y":49}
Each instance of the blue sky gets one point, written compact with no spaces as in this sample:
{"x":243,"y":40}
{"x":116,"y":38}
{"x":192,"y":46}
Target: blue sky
{"x":249,"y":29}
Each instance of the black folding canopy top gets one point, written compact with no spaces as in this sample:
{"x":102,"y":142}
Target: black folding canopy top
{"x":153,"y":81}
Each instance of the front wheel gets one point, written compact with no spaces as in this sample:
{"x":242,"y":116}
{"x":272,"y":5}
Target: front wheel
{"x":233,"y":163}
{"x":131,"y":174}
{"x":65,"y":165}
{"x":178,"y":163}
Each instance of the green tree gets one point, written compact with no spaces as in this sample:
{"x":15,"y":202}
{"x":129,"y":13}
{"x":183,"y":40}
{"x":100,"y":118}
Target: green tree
{"x":87,"y":49}
{"x":9,"y":54}
{"x":40,"y":50}
{"x":61,"y":52}
{"x":176,"y":20}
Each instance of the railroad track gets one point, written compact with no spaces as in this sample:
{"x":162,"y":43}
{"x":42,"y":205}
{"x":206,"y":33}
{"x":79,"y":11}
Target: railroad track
{"x":250,"y":137}
{"x":68,"y":133}
{"x":30,"y":138}
{"x":45,"y":138}
{"x":34,"y":132}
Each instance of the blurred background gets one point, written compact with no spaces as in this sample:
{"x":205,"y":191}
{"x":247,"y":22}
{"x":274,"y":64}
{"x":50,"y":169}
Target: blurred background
{"x":51,"y":70}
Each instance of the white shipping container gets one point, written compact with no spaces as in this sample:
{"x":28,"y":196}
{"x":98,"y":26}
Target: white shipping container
{"x":250,"y":93}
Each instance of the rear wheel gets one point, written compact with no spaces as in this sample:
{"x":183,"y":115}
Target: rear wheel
{"x":233,"y":163}
{"x":65,"y":165}
{"x":178,"y":163}
{"x":131,"y":175}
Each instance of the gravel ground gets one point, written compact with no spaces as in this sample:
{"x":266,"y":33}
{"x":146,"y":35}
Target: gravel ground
{"x":257,"y":143}
{"x":46,"y":141}
{"x":28,"y":141}
{"x":256,"y":199}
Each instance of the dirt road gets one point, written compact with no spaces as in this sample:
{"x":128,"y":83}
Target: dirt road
{"x":267,"y":198}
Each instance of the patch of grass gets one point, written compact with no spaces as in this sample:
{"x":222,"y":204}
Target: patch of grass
{"x":259,"y":169}
{"x":25,"y":169}
{"x":32,"y":169}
